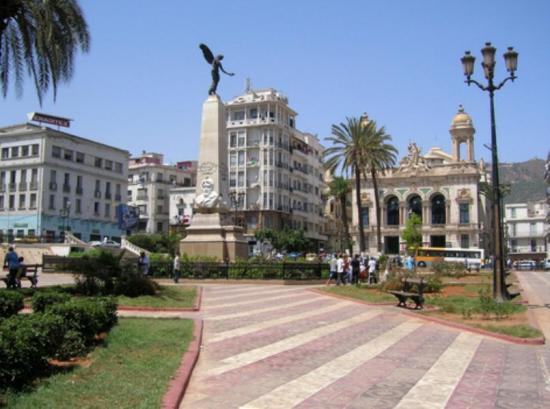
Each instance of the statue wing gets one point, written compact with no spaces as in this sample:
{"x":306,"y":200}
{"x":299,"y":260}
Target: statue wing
{"x":208,"y":56}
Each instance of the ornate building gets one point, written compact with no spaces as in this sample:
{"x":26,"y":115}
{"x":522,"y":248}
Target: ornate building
{"x":443,"y":189}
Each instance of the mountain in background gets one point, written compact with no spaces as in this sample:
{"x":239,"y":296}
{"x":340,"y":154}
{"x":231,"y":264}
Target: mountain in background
{"x":526,"y":180}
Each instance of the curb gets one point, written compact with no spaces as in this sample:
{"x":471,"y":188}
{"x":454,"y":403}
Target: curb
{"x":176,"y":389}
{"x":342,"y":297}
{"x":456,"y":325}
{"x":194,"y":308}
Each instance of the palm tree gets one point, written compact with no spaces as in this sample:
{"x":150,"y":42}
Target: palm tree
{"x":43,"y":37}
{"x":339,"y":188}
{"x":347,"y":153}
{"x":378,"y":155}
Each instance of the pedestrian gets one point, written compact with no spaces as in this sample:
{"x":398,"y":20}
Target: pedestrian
{"x":355,"y":266}
{"x":11,"y":262}
{"x":333,"y":269}
{"x":21,"y":272}
{"x":347,"y":269}
{"x":372,"y":271}
{"x":362,"y":271}
{"x":339,"y":270}
{"x":143,"y":264}
{"x":177,"y":270}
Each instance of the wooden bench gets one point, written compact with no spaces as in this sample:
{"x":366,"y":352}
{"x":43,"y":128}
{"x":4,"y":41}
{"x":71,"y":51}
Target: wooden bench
{"x":31,"y":275}
{"x":413,"y":288}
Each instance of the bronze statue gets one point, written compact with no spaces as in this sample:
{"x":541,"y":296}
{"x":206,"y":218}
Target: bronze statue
{"x":216,"y":67}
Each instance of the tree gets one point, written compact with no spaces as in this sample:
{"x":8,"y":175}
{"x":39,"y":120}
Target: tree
{"x":287,"y":239}
{"x":339,"y":188}
{"x":412,"y":233}
{"x":347,"y":153}
{"x":378,"y":155}
{"x":43,"y":37}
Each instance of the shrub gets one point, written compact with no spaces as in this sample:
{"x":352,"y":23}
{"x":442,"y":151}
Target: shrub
{"x":27,"y":342}
{"x":456,"y":270}
{"x":160,"y":265}
{"x":72,"y":344}
{"x":11,"y":302}
{"x":433,"y":285}
{"x":43,"y":299}
{"x":135,"y":284}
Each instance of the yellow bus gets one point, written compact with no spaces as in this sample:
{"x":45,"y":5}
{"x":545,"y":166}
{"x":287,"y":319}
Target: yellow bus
{"x":471,"y":258}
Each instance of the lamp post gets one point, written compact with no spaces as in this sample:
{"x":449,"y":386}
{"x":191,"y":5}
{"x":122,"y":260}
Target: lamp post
{"x":500,"y":292}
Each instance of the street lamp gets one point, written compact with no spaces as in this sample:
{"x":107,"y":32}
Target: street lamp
{"x":500,"y":292}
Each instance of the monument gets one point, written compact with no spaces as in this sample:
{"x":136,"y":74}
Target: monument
{"x":210,"y":234}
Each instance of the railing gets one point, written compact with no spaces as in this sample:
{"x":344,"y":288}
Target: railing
{"x":125,"y":244}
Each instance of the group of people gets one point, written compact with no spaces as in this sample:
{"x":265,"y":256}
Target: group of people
{"x":16,"y":268}
{"x":344,"y":269}
{"x":144,"y":264}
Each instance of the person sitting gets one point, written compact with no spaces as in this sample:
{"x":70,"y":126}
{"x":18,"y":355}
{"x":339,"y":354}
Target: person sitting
{"x":21,"y":272}
{"x":11,"y":261}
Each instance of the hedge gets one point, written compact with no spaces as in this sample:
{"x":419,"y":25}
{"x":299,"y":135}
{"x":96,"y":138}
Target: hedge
{"x":11,"y":302}
{"x":42,"y":300}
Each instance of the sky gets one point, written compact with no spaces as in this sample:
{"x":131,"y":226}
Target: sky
{"x":142,"y":85}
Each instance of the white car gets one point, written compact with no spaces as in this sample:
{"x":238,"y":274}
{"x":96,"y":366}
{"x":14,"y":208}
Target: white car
{"x":105,"y":243}
{"x":525,"y":265}
{"x":546,"y":264}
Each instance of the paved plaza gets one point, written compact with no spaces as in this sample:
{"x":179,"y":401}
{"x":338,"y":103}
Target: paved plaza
{"x":268,"y":346}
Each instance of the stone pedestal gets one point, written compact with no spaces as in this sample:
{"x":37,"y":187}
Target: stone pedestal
{"x":207,"y":235}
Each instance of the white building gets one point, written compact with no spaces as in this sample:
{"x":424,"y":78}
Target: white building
{"x":275,"y":171}
{"x":149,"y":185}
{"x":181,"y":207}
{"x":526,"y":229}
{"x":51,"y":181}
{"x":443,"y":189}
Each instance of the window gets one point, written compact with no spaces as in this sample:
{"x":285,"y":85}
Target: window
{"x":22,"y":200}
{"x":79,"y":157}
{"x":32,"y":203}
{"x":118,"y":167}
{"x":56,"y":152}
{"x":14,"y":151}
{"x":68,"y":154}
{"x":240,"y":138}
{"x":98,"y":162}
{"x":78,"y":206}
{"x":513,"y":212}
{"x":35,"y":149}
{"x":237,"y":116}
{"x":240,"y":179}
{"x":96,"y":208}
{"x":107,"y":190}
{"x":415,"y":206}
{"x":107,"y":210}
{"x":254,"y":113}
{"x":160,"y":226}
{"x":108,"y":164}
{"x":233,"y":139}
{"x":79,"y":181}
{"x":392,"y":215}
{"x":53,"y":175}
{"x":365,"y":216}
{"x":1,"y":203}
{"x":464,"y":241}
{"x":5,"y":153}
{"x":533,"y":245}
{"x":438,"y":209}
{"x":34,"y":177}
{"x":31,"y":232}
{"x":233,"y":159}
{"x":25,"y":151}
{"x":464,"y":211}
{"x":51,"y":204}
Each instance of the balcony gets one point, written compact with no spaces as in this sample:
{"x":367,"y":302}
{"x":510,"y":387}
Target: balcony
{"x":34,"y":185}
{"x":108,"y":195}
{"x":141,"y":196}
{"x":97,"y":194}
{"x":67,"y":188}
{"x":53,"y":186}
{"x":23,"y":186}
{"x":118,"y":197}
{"x":12,"y":186}
{"x":79,"y":190}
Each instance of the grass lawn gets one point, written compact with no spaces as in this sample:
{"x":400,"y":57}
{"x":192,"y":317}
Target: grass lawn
{"x":370,"y":295}
{"x":132,"y":370}
{"x":167,"y":297}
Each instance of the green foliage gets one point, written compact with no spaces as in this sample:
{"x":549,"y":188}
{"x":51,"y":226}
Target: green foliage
{"x":412,"y":233}
{"x":43,"y":299}
{"x":520,"y":331}
{"x":11,"y":302}
{"x":456,"y":270}
{"x":286,"y":239}
{"x":157,"y":243}
{"x":161,"y":265}
{"x":131,"y":284}
{"x":433,"y":285}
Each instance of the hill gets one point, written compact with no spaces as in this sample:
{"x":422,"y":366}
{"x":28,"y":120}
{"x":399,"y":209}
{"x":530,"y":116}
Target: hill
{"x":526,"y":180}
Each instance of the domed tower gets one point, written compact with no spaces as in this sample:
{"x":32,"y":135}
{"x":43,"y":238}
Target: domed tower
{"x":462,"y":131}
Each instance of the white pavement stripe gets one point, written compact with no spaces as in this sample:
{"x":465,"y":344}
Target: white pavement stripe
{"x":256,"y":300}
{"x":437,"y":385}
{"x":299,"y":389}
{"x":254,"y":355}
{"x":259,"y":310}
{"x":257,"y":291}
{"x":248,"y":329}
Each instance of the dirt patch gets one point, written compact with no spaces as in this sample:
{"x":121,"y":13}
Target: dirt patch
{"x":83,"y":362}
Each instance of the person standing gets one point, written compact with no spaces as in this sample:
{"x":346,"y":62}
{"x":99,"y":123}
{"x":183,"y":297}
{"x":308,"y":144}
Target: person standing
{"x":347,"y":269}
{"x":333,"y":269}
{"x":372,"y":271}
{"x":143,"y":264}
{"x":355,"y":266}
{"x":339,"y":270}
{"x":177,"y":268}
{"x":11,"y":261}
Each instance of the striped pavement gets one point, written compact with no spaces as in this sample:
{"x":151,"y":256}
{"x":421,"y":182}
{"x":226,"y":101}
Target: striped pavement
{"x":270,"y":347}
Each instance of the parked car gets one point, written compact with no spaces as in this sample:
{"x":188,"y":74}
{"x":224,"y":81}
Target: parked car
{"x":546,"y":264}
{"x":105,"y":243}
{"x":525,"y":265}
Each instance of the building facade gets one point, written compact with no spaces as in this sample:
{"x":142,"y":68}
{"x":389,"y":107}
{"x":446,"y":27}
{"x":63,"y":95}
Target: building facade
{"x":149,"y":185}
{"x":526,"y":230}
{"x":443,"y":189}
{"x":52,"y":181}
{"x":275,"y":171}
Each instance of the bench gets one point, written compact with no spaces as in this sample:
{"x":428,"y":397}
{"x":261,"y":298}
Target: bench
{"x":31,"y":275}
{"x":413,"y":288}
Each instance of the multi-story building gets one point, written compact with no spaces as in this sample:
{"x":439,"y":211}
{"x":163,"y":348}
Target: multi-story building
{"x":181,"y":199}
{"x":275,"y":171}
{"x":443,"y":189}
{"x":526,"y":230}
{"x":52,"y":181}
{"x":149,"y":184}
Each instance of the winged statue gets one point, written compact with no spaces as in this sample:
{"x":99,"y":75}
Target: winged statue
{"x":216,"y":63}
